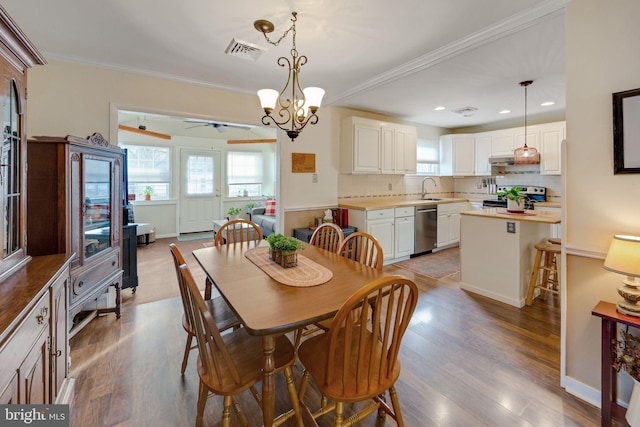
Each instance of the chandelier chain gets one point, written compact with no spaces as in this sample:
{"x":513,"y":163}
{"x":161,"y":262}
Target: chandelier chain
{"x":292,"y":27}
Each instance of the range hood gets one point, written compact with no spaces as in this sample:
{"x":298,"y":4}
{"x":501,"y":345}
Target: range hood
{"x":504,"y":160}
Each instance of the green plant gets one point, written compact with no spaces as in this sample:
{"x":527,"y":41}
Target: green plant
{"x":148,"y":190}
{"x":282,"y":243}
{"x":514,"y":193}
{"x":251,"y":206}
{"x":628,"y":354}
{"x":234,"y":211}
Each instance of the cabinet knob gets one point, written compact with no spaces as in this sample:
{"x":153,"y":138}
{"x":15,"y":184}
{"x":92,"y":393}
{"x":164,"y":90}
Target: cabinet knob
{"x":56,"y":353}
{"x":40,"y":317}
{"x":113,"y":263}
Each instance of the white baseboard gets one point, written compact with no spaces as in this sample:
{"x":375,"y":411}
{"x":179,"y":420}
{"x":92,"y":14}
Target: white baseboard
{"x":582,"y":391}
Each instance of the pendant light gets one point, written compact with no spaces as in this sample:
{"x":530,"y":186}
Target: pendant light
{"x":525,"y":155}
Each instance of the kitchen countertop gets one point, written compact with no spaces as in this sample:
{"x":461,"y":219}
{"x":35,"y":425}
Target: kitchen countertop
{"x":385,"y":203}
{"x":527,"y":216}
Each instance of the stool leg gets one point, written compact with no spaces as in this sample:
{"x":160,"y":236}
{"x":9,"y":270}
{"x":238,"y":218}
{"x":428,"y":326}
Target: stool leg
{"x":534,"y":277}
{"x":545,"y":274}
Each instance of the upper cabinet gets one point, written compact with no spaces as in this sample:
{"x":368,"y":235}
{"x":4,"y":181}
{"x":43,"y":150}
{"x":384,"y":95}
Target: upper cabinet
{"x":16,"y":56}
{"x":551,"y":137}
{"x":375,"y":147}
{"x":457,"y":155}
{"x":483,"y":152}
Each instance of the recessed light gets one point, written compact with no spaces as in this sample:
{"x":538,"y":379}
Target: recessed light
{"x":548,"y":103}
{"x":504,"y":112}
{"x":440,"y":108}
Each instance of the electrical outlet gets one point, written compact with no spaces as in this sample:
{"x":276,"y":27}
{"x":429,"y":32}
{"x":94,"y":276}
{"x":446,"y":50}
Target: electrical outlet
{"x":390,"y":186}
{"x":314,"y":178}
{"x":511,"y":227}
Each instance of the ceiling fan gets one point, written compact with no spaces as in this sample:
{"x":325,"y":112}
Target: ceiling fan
{"x":220,"y":127}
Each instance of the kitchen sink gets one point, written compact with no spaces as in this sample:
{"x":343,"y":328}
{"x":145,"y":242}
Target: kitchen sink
{"x":431,"y":199}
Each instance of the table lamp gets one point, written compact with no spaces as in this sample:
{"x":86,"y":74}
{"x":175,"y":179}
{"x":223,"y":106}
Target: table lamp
{"x":624,"y":258}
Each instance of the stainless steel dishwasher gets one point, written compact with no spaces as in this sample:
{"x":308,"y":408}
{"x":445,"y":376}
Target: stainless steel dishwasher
{"x":426,"y":228}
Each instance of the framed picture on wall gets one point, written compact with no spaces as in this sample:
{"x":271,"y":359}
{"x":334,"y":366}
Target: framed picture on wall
{"x":626,"y":132}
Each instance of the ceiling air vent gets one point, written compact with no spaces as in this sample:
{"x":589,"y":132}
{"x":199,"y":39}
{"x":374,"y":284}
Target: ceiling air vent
{"x":466,"y":111}
{"x":244,"y":50}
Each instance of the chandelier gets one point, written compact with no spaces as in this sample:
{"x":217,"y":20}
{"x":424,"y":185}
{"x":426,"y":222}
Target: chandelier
{"x":294,"y":107}
{"x":525,"y":155}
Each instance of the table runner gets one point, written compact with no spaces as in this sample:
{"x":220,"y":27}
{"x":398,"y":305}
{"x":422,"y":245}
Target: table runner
{"x":307,"y":273}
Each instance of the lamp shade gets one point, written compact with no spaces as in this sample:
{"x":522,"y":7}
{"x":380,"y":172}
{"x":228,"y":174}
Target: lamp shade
{"x":624,"y":256}
{"x":313,"y":96}
{"x":268,"y":98}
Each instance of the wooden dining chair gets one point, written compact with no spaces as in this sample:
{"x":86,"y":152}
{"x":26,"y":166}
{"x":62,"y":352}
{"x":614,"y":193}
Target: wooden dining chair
{"x":232,"y":363}
{"x":363,"y":248}
{"x":238,"y":230}
{"x":357,"y":358}
{"x":327,"y":236}
{"x":222,"y":314}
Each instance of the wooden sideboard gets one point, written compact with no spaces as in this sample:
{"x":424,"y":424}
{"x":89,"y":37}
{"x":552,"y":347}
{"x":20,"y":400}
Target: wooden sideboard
{"x":34,"y":341}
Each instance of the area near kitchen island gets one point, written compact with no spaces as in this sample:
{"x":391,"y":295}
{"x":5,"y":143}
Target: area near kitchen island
{"x":497,"y":251}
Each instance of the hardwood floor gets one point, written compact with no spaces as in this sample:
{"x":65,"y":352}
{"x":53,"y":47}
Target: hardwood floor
{"x":466,"y":361}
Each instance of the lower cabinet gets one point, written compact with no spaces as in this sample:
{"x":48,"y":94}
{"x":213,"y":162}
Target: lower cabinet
{"x":380,"y":223}
{"x":405,"y":231}
{"x":34,"y":352}
{"x":449,"y":223}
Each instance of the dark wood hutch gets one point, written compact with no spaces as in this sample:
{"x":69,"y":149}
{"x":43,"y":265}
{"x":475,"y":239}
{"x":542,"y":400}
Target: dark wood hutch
{"x":34,"y":340}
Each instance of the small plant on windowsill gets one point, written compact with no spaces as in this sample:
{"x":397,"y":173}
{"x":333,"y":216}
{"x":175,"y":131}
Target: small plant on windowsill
{"x":148,"y":191}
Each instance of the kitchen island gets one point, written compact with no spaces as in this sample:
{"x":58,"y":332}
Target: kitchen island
{"x":497,"y":251}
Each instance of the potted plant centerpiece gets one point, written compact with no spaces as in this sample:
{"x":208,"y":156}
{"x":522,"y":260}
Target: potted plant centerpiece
{"x":514,"y":198}
{"x":234,"y":213}
{"x":628,"y":358}
{"x":284,"y":250}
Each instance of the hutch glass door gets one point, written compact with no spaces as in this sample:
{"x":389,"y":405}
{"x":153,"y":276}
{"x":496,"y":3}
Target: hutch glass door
{"x":97,"y":206}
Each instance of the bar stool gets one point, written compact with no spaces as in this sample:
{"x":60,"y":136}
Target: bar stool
{"x":545,"y":261}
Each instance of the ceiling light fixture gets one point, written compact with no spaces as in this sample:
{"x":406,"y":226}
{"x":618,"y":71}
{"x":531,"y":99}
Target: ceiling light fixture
{"x":439,"y":108}
{"x":295,"y":107}
{"x":504,"y":112}
{"x":525,"y":155}
{"x":547,"y":104}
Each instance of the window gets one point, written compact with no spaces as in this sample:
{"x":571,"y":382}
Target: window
{"x":427,"y":157}
{"x":149,"y":167}
{"x":200,"y":175}
{"x":244,"y":173}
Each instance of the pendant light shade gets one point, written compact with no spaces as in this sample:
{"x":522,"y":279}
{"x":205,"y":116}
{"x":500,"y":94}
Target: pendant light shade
{"x":525,"y":155}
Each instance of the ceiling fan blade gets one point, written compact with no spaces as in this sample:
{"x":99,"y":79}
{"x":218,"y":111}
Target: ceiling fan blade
{"x":251,"y":141}
{"x":144,"y":132}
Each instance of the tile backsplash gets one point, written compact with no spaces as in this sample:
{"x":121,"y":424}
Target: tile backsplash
{"x":354,"y":186}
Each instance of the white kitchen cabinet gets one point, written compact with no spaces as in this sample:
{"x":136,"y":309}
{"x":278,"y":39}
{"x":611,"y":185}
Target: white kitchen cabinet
{"x":457,"y":155}
{"x":380,"y":223}
{"x":503,"y":142}
{"x":373,"y":147}
{"x":482,"y":153}
{"x":449,"y":223}
{"x":405,"y":219}
{"x":406,"y":141}
{"x":551,"y":136}
{"x":360,"y":146}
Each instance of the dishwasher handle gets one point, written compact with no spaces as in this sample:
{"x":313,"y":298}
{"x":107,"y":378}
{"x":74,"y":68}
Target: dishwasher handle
{"x":421,"y":210}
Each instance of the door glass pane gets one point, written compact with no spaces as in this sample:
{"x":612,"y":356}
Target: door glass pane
{"x":10,"y":172}
{"x":200,"y":173}
{"x":97,"y":206}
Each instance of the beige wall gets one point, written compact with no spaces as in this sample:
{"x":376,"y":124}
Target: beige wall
{"x":602,"y":58}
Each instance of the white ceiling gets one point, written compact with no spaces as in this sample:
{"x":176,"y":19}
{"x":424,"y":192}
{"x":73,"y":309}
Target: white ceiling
{"x":399,"y":58}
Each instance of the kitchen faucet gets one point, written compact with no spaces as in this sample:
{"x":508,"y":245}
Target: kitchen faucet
{"x":424,"y":192}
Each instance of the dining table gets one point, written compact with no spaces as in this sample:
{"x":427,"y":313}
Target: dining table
{"x":268,"y":308}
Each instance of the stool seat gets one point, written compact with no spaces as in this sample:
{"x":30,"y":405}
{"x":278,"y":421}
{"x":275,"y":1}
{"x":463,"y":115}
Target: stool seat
{"x":554,"y":240}
{"x":545,"y":261}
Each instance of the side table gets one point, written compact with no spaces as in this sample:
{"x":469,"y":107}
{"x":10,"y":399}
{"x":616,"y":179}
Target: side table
{"x":305,"y":234}
{"x":610,"y":410}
